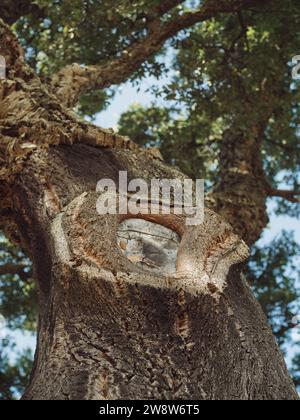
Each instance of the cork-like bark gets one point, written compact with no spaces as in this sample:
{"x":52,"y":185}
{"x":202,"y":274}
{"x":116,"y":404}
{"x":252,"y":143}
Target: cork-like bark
{"x":241,"y":196}
{"x":111,"y":330}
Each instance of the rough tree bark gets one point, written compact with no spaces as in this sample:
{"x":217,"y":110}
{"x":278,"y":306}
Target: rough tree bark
{"x":241,"y":196}
{"x":109,"y":329}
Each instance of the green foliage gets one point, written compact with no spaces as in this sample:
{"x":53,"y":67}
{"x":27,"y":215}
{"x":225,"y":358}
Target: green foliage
{"x":18,"y":306}
{"x":235,"y":70}
{"x":94,"y":102}
{"x":88,"y":32}
{"x":176,"y":135}
{"x":14,"y":375}
{"x":82,"y":31}
{"x":231,"y":72}
{"x":18,"y":300}
{"x":274,"y":275}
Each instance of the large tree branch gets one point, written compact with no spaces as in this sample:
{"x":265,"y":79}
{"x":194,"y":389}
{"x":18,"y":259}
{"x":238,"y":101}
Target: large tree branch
{"x":31,"y":117}
{"x":12,"y":10}
{"x":16,"y":269}
{"x":292,"y":196}
{"x":163,"y":8}
{"x":74,"y":80}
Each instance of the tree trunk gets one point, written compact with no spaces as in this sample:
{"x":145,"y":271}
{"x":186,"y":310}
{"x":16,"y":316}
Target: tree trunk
{"x":110,"y":329}
{"x":241,"y":196}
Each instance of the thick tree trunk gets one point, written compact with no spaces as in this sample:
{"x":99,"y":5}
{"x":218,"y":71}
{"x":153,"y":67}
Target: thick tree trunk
{"x":111,"y":330}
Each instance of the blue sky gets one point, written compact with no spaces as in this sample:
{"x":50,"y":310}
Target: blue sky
{"x":126,"y":96}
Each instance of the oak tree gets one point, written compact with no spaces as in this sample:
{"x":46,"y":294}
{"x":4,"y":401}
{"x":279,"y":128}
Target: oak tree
{"x":113,"y":327}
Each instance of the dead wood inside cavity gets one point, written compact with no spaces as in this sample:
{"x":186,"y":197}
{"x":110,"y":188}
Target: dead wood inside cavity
{"x":150,"y":245}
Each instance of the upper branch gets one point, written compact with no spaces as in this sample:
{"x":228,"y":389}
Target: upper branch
{"x":162,"y":8}
{"x":74,"y":80}
{"x":292,"y":196}
{"x":12,"y":10}
{"x":16,"y":269}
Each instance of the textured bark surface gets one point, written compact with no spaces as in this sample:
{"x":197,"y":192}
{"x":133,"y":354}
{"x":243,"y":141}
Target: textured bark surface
{"x":241,"y":196}
{"x":111,"y":330}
